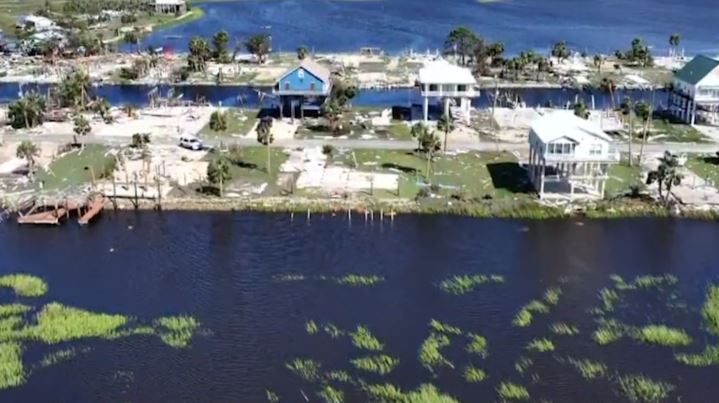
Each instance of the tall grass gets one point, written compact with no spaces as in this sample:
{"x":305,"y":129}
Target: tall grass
{"x":58,"y":356}
{"x":13,"y":309}
{"x":523,"y":364}
{"x":57,"y":323}
{"x":11,"y":370}
{"x":440,"y":327}
{"x":710,"y":311}
{"x":609,"y":299}
{"x":551,"y":295}
{"x":588,"y":368}
{"x":477,"y":345}
{"x":356,"y":280}
{"x":386,"y":392}
{"x":306,"y":369}
{"x":563,"y":329}
{"x":608,"y":332}
{"x":429,"y":352}
{"x":177,"y":331}
{"x":525,"y":315}
{"x":332,"y":330}
{"x":663,"y":336}
{"x":328,"y":394}
{"x":378,"y":364}
{"x":644,"y":282}
{"x":512,"y":391}
{"x":641,"y":389}
{"x":542,"y":345}
{"x":272,"y":396}
{"x":459,"y":285}
{"x":474,"y":375}
{"x":362,"y":338}
{"x":24,"y":285}
{"x":311,"y":327}
{"x":708,"y":357}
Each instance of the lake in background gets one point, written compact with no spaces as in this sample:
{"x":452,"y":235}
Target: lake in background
{"x":419,"y":25}
{"x":222,"y":268}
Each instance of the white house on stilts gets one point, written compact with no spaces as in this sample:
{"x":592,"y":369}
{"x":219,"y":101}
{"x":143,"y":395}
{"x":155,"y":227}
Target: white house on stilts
{"x":569,"y":157}
{"x":695,"y":92}
{"x":451,"y":85}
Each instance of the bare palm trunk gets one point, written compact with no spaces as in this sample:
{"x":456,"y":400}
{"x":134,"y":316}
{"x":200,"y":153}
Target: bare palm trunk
{"x":446,"y":133}
{"x":429,"y":162}
{"x":222,"y":187}
{"x":631,"y":139}
{"x":268,"y":158}
{"x":644,"y":141}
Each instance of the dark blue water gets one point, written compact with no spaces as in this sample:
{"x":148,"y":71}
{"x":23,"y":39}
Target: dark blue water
{"x":400,"y":25}
{"x":219,"y":267}
{"x":249,"y":97}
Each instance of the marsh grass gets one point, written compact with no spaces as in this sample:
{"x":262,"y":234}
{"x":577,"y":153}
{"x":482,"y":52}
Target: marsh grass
{"x":356,"y":280}
{"x":363,"y":339}
{"x":525,"y":315}
{"x":13,"y":309}
{"x":551,"y":295}
{"x":444,"y":328}
{"x":10,"y":327}
{"x":708,"y":357}
{"x":332,"y":330}
{"x":60,"y":356}
{"x":311,"y":327}
{"x":306,"y":369}
{"x":328,"y":394}
{"x":641,"y":389}
{"x":589,"y":369}
{"x":378,"y":364}
{"x":339,"y":376}
{"x":474,"y":375}
{"x":24,"y":285}
{"x":644,"y":282}
{"x":426,"y":393}
{"x":523,"y":364}
{"x":609,"y":299}
{"x":459,"y":285}
{"x":271,"y":396}
{"x":662,"y":335}
{"x":542,"y":345}
{"x":177,"y":331}
{"x":11,"y":370}
{"x":288,"y":277}
{"x":563,"y":329}
{"x":710,"y":311}
{"x":609,"y":331}
{"x":430,"y":355}
{"x":512,"y":391}
{"x":57,"y":323}
{"x":477,"y":345}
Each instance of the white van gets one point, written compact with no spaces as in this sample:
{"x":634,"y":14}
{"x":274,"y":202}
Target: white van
{"x":190,"y":142}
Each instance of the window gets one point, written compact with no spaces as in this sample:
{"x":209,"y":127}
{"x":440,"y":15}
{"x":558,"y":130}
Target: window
{"x":433,"y":87}
{"x":461,"y":88}
{"x":312,"y":86}
{"x":595,"y":149}
{"x":301,"y":74}
{"x":287,"y":86}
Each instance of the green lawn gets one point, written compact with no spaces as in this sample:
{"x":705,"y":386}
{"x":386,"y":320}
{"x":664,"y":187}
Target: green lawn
{"x":471,"y":175}
{"x":248,"y":166}
{"x":706,"y":167}
{"x":239,"y":122}
{"x":69,"y":170}
{"x":621,"y":179}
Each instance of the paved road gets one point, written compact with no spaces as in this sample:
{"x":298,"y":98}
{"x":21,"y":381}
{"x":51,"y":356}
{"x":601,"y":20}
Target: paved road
{"x":356,"y":143}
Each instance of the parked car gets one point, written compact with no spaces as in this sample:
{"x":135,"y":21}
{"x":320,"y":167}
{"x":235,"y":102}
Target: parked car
{"x":191,"y":142}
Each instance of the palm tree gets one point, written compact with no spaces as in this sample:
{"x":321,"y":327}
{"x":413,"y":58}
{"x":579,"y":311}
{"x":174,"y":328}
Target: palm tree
{"x":332,"y":111}
{"x":302,"y":52}
{"x":644,"y":112}
{"x":81,"y":127}
{"x":560,"y":51}
{"x":429,"y":144}
{"x":598,"y":60}
{"x":674,"y":40}
{"x":27,"y":112}
{"x":199,"y":54}
{"x":220,"y":41}
{"x":418,"y":131}
{"x":218,"y":172}
{"x":580,"y":109}
{"x":74,"y":89}
{"x":265,"y":137}
{"x":608,"y":85}
{"x":28,"y":150}
{"x":666,"y":175}
{"x":259,"y":45}
{"x":445,"y":124}
{"x":627,"y":108}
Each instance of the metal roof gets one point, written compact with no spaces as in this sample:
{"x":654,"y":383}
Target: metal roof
{"x":443,"y":72}
{"x":559,"y":124}
{"x":698,"y":68}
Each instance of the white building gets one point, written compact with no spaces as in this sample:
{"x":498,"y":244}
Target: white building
{"x":36,"y":23}
{"x":449,"y":85}
{"x":169,"y":6}
{"x":569,"y":156}
{"x":695,"y":91}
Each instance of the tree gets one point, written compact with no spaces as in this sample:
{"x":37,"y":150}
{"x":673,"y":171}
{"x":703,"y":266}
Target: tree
{"x":27,"y":112}
{"x":265,"y":137}
{"x":560,"y":51}
{"x":81,"y":127}
{"x":644,"y":112}
{"x":218,"y":121}
{"x":220,"y":41}
{"x":102,"y":108}
{"x":608,"y":85}
{"x":666,"y":175}
{"x":429,"y":144}
{"x":259,"y":45}
{"x":542,"y":67}
{"x":28,"y":150}
{"x":218,"y":173}
{"x":627,"y":108}
{"x":302,"y":52}
{"x":139,"y":140}
{"x":332,"y":112}
{"x":461,"y":42}
{"x":580,"y":109}
{"x":639,"y":53}
{"x":598,"y":60}
{"x":199,"y":54}
{"x":132,"y":38}
{"x":418,"y":131}
{"x":674,"y":40}
{"x":445,"y":124}
{"x":74,"y":89}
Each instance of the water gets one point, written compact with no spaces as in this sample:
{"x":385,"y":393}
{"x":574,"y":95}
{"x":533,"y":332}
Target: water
{"x":220,"y":267}
{"x":401,"y":25}
{"x":249,"y":97}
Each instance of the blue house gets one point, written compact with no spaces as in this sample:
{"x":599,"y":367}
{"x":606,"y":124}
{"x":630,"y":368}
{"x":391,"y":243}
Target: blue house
{"x":304,"y":87}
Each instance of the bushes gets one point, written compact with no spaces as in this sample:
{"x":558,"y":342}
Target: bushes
{"x":218,"y":121}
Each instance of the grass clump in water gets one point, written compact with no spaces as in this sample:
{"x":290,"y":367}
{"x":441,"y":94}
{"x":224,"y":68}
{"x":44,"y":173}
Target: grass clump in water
{"x":332,"y":330}
{"x":609,"y":299}
{"x":11,"y":369}
{"x":474,"y":375}
{"x":644,"y":282}
{"x":286,"y":277}
{"x":177,"y":331}
{"x":339,"y":376}
{"x":608,"y":332}
{"x":429,"y":352}
{"x":459,"y":285}
{"x":311,"y":327}
{"x":272,"y":396}
{"x":523,"y":364}
{"x":60,"y":356}
{"x":356,"y":280}
{"x":306,"y":369}
{"x":525,"y":315}
{"x":551,"y":295}
{"x":444,"y":328}
{"x":477,"y":345}
{"x":57,"y":323}
{"x":13,"y":309}
{"x":542,"y":345}
{"x":379,"y":364}
{"x":709,"y":357}
{"x":24,"y":285}
{"x":362,"y":338}
{"x":563,"y":329}
{"x":511,"y":391}
{"x":389,"y":393}
{"x":641,"y":389}
{"x":663,"y":336}
{"x":588,"y":368}
{"x":328,"y":394}
{"x":710,"y":311}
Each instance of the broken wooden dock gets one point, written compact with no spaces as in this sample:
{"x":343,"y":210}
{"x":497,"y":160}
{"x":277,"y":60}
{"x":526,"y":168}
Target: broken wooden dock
{"x":52,"y":216}
{"x":94,"y":207}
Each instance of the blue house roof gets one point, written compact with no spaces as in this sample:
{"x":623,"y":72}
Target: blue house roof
{"x":320,"y":72}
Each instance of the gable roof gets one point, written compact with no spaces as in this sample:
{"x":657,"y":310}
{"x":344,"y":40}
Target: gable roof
{"x":698,"y":68}
{"x":312,"y":67}
{"x":558,"y":124}
{"x":443,"y":72}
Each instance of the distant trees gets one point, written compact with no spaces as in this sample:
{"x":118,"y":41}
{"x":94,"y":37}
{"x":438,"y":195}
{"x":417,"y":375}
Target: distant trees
{"x":302,"y":52}
{"x":219,"y":42}
{"x":674,"y":41}
{"x":218,"y":121}
{"x":638,"y":53}
{"x":259,"y":45}
{"x":418,"y":131}
{"x":560,"y":51}
{"x":461,"y":42}
{"x":74,"y":90}
{"x":199,"y":54}
{"x":666,"y":176}
{"x":132,"y":38}
{"x":27,"y":112}
{"x":81,"y":127}
{"x":265,"y":137}
{"x":597,"y":61}
{"x":29,"y":151}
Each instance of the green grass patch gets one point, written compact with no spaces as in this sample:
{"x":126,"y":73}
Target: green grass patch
{"x":58,"y":357}
{"x":177,"y":331}
{"x":339,"y":376}
{"x":430,"y":355}
{"x":390,"y":393}
{"x":665,"y":131}
{"x":57,"y":323}
{"x":248,"y":166}
{"x":239,"y":123}
{"x":328,"y":394}
{"x":271,"y":396}
{"x":311,"y":327}
{"x":24,"y":285}
{"x":459,"y":285}
{"x":356,"y":280}
{"x":563,"y":329}
{"x":551,"y":295}
{"x":641,"y":389}
{"x":163,"y":21}
{"x":444,"y":328}
{"x":13,"y":309}
{"x":609,"y":299}
{"x":621,"y":179}
{"x":306,"y":369}
{"x":363,"y":339}
{"x":644,"y":282}
{"x":526,"y":314}
{"x":477,"y":345}
{"x":512,"y":391}
{"x":11,"y":370}
{"x":589,"y":369}
{"x":474,"y":375}
{"x":608,"y":332}
{"x":77,"y":167}
{"x":332,"y":330}
{"x":523,"y":364}
{"x":663,"y":336}
{"x":378,"y":364}
{"x":542,"y":345}
{"x":708,"y":357}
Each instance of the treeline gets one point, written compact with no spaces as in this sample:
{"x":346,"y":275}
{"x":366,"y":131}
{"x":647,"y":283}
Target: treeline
{"x":97,"y":6}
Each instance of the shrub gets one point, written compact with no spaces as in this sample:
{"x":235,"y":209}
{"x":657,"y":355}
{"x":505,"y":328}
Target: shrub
{"x":474,"y":375}
{"x":362,"y":338}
